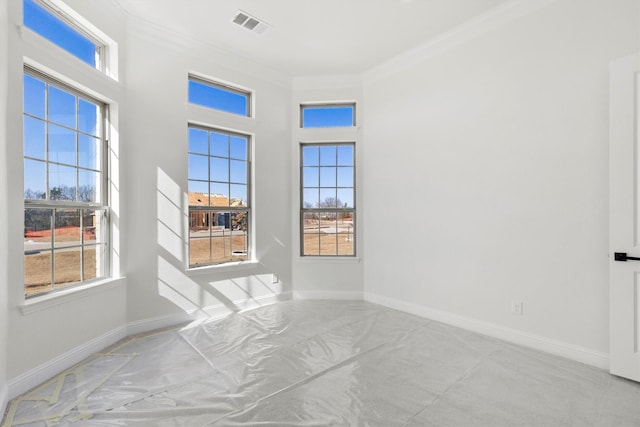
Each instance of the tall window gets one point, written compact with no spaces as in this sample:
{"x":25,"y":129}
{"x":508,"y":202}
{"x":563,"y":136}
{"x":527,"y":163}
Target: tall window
{"x":219,"y":194}
{"x":63,"y":32}
{"x":328,"y":199}
{"x":65,"y":205}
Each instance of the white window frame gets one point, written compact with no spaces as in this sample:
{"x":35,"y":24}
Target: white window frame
{"x":103,"y":204}
{"x":227,"y":88}
{"x":351,"y":234}
{"x":212,"y":210}
{"x":327,"y":105}
{"x":67,"y":16}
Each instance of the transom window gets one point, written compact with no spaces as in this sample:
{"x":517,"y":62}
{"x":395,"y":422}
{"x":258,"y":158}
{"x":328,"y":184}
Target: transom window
{"x":219,"y":195}
{"x":327,"y":199}
{"x":327,"y":115}
{"x":62,"y":31}
{"x":219,"y":96}
{"x":66,"y":211}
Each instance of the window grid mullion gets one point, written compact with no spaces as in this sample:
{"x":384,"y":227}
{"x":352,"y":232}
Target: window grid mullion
{"x":81,"y":211}
{"x":53,"y":248}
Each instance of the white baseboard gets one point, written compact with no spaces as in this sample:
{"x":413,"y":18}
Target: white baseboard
{"x":335,"y":295}
{"x":547,"y":345}
{"x":212,"y":312}
{"x":30,"y":379}
{"x":36,"y":376}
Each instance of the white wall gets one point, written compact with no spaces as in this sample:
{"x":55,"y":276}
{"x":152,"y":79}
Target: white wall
{"x":41,"y":334}
{"x":489,"y":159}
{"x":155,"y":163}
{"x":4,"y":184}
{"x":330,"y":277}
{"x":149,"y":115}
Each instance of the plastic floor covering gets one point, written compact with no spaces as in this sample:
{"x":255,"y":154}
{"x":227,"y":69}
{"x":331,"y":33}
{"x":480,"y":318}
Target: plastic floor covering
{"x":322,"y":363}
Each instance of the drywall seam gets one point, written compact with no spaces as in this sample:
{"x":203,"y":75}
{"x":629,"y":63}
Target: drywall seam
{"x":33,"y":377}
{"x":482,"y":24}
{"x":558,"y":348}
{"x":335,"y":295}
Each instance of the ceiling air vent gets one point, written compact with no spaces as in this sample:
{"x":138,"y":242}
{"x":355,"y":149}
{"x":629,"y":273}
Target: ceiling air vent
{"x":249,"y":22}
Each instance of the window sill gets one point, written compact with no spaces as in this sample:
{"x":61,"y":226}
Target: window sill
{"x":328,"y":260}
{"x":64,"y":296}
{"x":222,"y":268}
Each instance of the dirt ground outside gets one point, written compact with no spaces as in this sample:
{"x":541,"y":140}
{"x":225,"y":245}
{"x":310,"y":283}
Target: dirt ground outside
{"x":67,"y":263}
{"x":217,"y":250}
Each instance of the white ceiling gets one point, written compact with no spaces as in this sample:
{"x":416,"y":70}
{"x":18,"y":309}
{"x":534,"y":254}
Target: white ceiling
{"x":312,"y":37}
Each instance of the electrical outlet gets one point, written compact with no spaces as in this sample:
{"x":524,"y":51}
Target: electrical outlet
{"x":274,"y":278}
{"x":516,"y":307}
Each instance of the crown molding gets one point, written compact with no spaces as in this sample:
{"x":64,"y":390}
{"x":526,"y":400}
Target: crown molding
{"x":471,"y":29}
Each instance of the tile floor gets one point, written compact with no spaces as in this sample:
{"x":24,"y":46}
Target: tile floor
{"x":321,"y":363}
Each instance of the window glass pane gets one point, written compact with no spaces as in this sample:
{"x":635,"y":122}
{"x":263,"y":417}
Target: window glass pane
{"x":240,"y":222}
{"x":92,"y":223}
{"x":345,"y":177}
{"x":311,"y":242}
{"x":66,"y":267}
{"x":220,"y":245}
{"x":219,"y":169}
{"x":37,"y":229}
{"x":34,"y":138}
{"x":238,"y":148}
{"x":238,"y":171}
{"x":198,"y":193}
{"x":198,"y":167}
{"x":310,"y":155}
{"x":327,"y":177}
{"x":198,"y":142}
{"x":88,"y":152}
{"x":310,"y":198}
{"x":94,"y":259}
{"x":219,"y":98}
{"x":199,"y":238}
{"x":37,"y":272}
{"x":55,"y":30}
{"x":238,"y":195}
{"x":345,"y":197}
{"x":62,"y":145}
{"x":62,"y":182}
{"x":62,"y":107}
{"x":35,"y":186}
{"x":328,"y":155}
{"x":327,"y":116}
{"x":310,"y":177}
{"x":345,"y":155}
{"x":329,"y":243}
{"x":239,"y":236}
{"x":328,"y":198}
{"x":66,"y":231}
{"x":88,"y":117}
{"x":311,"y":236}
{"x":89,"y":186}
{"x":345,"y":231}
{"x":219,"y":194}
{"x":34,"y":96}
{"x":219,"y":144}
